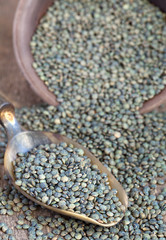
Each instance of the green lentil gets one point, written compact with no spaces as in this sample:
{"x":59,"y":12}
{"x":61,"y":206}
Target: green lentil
{"x":78,"y":166}
{"x":93,"y":111}
{"x":78,"y":45}
{"x":141,"y":198}
{"x":131,"y":165}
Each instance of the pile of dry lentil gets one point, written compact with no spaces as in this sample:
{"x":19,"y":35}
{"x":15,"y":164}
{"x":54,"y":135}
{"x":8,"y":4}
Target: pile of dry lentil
{"x":110,"y":52}
{"x":140,"y":168}
{"x":61,"y":176}
{"x":99,"y":104}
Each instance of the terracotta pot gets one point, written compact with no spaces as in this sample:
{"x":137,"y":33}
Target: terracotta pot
{"x":26,"y":20}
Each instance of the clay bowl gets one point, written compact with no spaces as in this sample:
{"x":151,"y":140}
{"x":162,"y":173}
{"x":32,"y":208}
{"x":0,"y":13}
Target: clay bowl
{"x":27,"y":17}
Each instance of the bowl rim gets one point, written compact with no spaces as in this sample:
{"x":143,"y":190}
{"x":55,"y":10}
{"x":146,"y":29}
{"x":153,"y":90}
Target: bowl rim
{"x":22,"y":20}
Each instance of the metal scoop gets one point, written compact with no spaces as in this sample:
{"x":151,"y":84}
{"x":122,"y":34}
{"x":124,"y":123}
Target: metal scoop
{"x":23,"y":141}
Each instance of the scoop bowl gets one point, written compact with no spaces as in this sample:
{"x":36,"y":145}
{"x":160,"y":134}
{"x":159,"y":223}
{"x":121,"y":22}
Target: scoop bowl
{"x":21,"y":141}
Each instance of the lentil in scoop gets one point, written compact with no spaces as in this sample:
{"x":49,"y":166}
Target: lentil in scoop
{"x":62,"y":176}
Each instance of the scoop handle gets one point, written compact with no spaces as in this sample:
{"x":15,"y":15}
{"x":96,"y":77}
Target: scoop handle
{"x":8,"y":120}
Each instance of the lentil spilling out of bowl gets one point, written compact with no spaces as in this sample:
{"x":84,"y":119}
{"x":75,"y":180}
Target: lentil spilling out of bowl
{"x":140,"y":168}
{"x":62,"y":176}
{"x":112,"y":52}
